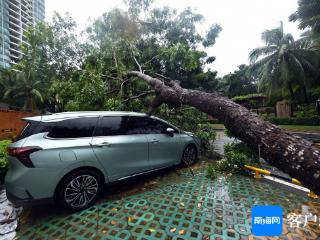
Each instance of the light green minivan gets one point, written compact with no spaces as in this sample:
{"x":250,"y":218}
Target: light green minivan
{"x":68,"y":157}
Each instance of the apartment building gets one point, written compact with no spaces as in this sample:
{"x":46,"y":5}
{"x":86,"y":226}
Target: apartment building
{"x":15,"y":18}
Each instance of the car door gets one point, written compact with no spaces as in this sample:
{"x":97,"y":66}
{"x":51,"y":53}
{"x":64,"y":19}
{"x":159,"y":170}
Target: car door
{"x":120,"y":147}
{"x":163,"y":147}
{"x":68,"y":140}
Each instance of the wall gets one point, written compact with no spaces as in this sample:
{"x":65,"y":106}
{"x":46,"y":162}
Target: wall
{"x":11,"y":123}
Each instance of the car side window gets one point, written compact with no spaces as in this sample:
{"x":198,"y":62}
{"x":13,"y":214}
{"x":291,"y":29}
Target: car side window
{"x":110,"y":126}
{"x":129,"y":125}
{"x":74,"y":128}
{"x":117,"y":125}
{"x":133,"y":125}
{"x":153,"y":126}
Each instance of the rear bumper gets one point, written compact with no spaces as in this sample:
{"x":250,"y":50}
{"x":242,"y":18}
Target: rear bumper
{"x":16,"y":201}
{"x":28,"y":184}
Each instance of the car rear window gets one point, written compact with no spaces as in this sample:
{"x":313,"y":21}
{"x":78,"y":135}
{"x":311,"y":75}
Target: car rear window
{"x":74,"y":128}
{"x":33,"y":127}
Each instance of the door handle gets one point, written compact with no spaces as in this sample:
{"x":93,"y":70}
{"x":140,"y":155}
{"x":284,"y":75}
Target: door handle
{"x":154,"y":141}
{"x":104,"y":144}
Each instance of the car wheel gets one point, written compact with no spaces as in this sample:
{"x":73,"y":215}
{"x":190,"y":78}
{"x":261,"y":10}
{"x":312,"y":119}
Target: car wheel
{"x":79,"y":190}
{"x":189,"y":155}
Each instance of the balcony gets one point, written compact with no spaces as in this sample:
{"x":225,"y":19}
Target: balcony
{"x":14,"y":20}
{"x":15,"y":44}
{"x":14,"y":39}
{"x":14,"y":13}
{"x":15,"y":50}
{"x":14,"y":26}
{"x":15,"y":33}
{"x":14,"y":6}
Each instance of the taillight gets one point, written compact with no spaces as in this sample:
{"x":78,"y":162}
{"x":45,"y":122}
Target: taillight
{"x":23,"y":154}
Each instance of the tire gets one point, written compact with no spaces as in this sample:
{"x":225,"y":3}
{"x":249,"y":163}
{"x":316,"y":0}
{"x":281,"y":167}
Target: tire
{"x":80,"y":190}
{"x":189,"y":155}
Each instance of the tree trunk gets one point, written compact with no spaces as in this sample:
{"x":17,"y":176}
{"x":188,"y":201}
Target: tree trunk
{"x":291,"y":154}
{"x":291,"y":91}
{"x":305,"y":95}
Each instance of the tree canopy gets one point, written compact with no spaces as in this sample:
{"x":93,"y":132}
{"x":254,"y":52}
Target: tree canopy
{"x":284,"y":65}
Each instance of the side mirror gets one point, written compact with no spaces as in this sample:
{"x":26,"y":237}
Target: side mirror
{"x":170,"y":131}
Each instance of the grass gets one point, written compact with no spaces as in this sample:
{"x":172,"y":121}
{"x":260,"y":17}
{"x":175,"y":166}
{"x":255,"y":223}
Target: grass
{"x":218,"y":125}
{"x":293,"y":128}
{"x":301,"y":128}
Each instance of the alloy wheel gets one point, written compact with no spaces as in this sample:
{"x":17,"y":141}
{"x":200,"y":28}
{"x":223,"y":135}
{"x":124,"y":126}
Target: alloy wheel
{"x":81,"y":190}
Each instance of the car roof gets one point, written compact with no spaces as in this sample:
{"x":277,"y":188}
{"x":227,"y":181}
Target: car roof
{"x":69,"y":115}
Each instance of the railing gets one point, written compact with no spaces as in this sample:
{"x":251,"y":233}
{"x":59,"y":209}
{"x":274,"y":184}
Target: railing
{"x":258,"y":172}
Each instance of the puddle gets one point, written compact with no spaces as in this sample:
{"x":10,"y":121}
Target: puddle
{"x":220,"y":141}
{"x":172,"y":204}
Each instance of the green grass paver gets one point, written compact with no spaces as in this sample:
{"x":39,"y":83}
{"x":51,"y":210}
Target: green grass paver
{"x":188,"y":208}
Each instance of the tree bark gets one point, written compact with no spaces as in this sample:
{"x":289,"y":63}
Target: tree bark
{"x":291,"y":154}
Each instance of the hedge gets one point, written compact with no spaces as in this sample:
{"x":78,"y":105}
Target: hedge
{"x":3,"y":158}
{"x":313,"y":121}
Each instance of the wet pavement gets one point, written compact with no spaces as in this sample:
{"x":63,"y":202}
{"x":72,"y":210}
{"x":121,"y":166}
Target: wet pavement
{"x":172,"y":205}
{"x":169,"y":204}
{"x":220,"y":141}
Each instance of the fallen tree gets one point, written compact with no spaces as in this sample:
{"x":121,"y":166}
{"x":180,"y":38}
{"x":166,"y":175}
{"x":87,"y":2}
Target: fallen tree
{"x":291,"y":154}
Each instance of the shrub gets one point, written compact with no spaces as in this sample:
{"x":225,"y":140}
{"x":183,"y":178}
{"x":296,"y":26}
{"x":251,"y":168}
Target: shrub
{"x":212,"y":172}
{"x":206,"y":134}
{"x":3,"y":158}
{"x":314,"y":121}
{"x":305,"y":111}
{"x":247,"y":97}
{"x":228,"y":133}
{"x":237,"y":155}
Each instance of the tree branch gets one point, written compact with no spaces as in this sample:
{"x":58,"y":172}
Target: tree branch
{"x":109,"y":76}
{"x":139,"y":66}
{"x":143,"y":94}
{"x":151,"y":59}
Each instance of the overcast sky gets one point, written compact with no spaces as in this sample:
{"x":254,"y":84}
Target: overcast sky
{"x":242,"y":22}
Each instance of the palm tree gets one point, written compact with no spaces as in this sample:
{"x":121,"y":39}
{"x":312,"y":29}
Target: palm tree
{"x":23,"y":85}
{"x":284,"y":64}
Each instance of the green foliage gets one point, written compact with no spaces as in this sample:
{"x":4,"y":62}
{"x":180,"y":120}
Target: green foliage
{"x":52,"y":53}
{"x":206,"y":134}
{"x":212,"y":172}
{"x":3,"y":154}
{"x":240,"y":148}
{"x":308,"y":14}
{"x":313,"y":121}
{"x":247,"y":97}
{"x":237,"y":155}
{"x":112,"y":104}
{"x":305,"y":111}
{"x":284,"y":67}
{"x":228,"y":133}
{"x":314,"y":93}
{"x":240,"y":82}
